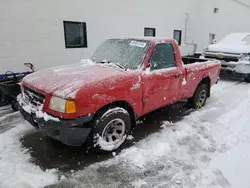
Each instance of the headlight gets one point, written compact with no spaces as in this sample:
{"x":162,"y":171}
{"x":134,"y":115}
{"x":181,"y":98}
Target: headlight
{"x":63,"y":106}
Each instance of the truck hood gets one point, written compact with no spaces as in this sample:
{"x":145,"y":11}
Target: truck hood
{"x":66,"y":81}
{"x":229,"y":48}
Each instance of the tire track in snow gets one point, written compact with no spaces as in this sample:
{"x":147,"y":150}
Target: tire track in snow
{"x":223,"y":100}
{"x":5,"y":110}
{"x":9,"y":121}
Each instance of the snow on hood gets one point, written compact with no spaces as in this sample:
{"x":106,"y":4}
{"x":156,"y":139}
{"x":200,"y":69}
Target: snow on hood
{"x":232,"y":43}
{"x":66,"y":81}
{"x":229,"y":48}
{"x":234,"y":38}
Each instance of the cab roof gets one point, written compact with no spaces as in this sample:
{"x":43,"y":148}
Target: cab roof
{"x":151,"y":39}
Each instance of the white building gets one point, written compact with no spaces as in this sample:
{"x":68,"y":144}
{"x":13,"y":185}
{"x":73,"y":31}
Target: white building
{"x":33,"y":31}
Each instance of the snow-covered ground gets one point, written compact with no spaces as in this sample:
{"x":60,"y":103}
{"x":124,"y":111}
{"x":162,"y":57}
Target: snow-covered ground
{"x":15,"y":167}
{"x":208,"y":148}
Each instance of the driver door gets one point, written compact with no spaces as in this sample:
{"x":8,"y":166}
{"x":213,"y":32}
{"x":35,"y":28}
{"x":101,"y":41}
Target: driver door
{"x":163,"y":83}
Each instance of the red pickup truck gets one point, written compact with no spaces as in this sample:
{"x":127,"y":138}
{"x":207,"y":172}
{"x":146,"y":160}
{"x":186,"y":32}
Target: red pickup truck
{"x":98,"y":100}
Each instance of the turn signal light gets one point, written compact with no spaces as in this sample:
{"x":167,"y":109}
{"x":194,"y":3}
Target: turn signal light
{"x":70,"y":107}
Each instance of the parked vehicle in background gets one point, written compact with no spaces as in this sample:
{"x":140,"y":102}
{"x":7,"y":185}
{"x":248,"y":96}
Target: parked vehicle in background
{"x":10,"y":88}
{"x":99,"y":100}
{"x":234,"y":52}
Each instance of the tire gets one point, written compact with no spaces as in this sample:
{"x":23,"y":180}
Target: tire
{"x":110,"y":129}
{"x":4,"y":100}
{"x":247,"y":80}
{"x":200,"y":96}
{"x":14,"y":105}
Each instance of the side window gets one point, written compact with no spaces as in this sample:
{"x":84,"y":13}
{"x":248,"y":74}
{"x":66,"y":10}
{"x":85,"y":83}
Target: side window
{"x":162,"y":57}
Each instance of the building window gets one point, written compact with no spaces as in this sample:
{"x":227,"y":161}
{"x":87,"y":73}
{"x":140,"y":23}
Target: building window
{"x":149,"y":32}
{"x":177,"y":36}
{"x":211,"y":38}
{"x":75,"y":34}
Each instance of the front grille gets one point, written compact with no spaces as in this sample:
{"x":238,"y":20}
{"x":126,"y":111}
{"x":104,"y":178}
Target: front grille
{"x":224,"y":66}
{"x":229,"y":53}
{"x":226,"y":59}
{"x":33,"y":97}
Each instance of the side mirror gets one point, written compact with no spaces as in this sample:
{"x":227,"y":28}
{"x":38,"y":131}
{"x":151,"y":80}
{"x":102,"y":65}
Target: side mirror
{"x":214,"y":41}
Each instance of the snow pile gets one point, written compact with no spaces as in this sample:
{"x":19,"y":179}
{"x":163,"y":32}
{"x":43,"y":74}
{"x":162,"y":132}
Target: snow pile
{"x":242,"y":67}
{"x":87,"y":62}
{"x":138,"y":183}
{"x":46,"y":116}
{"x":162,"y":159}
{"x":129,"y":137}
{"x":230,"y":166}
{"x":15,"y":168}
{"x":144,"y":152}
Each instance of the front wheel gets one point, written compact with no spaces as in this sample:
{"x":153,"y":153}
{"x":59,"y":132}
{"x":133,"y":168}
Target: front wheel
{"x":110,"y":130}
{"x":200,"y":96}
{"x":14,"y":105}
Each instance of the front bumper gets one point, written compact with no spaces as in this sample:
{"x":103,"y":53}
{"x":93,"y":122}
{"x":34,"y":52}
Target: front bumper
{"x":70,"y":132}
{"x":233,"y":74}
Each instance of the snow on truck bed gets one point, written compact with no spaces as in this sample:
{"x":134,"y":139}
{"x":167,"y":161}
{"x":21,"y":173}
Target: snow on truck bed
{"x":208,"y":148}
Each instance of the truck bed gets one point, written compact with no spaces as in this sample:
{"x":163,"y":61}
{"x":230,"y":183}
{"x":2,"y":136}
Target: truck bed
{"x":189,"y":60}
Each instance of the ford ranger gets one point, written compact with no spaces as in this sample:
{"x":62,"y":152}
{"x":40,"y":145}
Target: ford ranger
{"x":98,"y":101}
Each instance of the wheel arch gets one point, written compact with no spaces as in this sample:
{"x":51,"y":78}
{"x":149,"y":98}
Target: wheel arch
{"x":206,"y":80}
{"x":122,"y":104}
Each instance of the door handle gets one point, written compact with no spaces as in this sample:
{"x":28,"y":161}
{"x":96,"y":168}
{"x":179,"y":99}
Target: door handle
{"x":177,"y":75}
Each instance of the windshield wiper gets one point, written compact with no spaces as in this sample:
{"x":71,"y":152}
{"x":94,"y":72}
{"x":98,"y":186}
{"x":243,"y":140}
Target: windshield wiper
{"x":117,"y":64}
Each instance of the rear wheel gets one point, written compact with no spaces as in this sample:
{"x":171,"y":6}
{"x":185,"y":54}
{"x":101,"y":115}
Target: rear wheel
{"x":110,"y":130}
{"x":247,"y":80}
{"x":200,"y":96}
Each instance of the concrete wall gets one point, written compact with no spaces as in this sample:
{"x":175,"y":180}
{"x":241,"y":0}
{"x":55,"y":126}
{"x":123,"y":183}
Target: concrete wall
{"x":32,"y":31}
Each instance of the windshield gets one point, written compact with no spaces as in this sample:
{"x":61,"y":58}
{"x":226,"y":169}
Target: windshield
{"x":126,"y":52}
{"x":247,"y":39}
{"x":234,"y":38}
